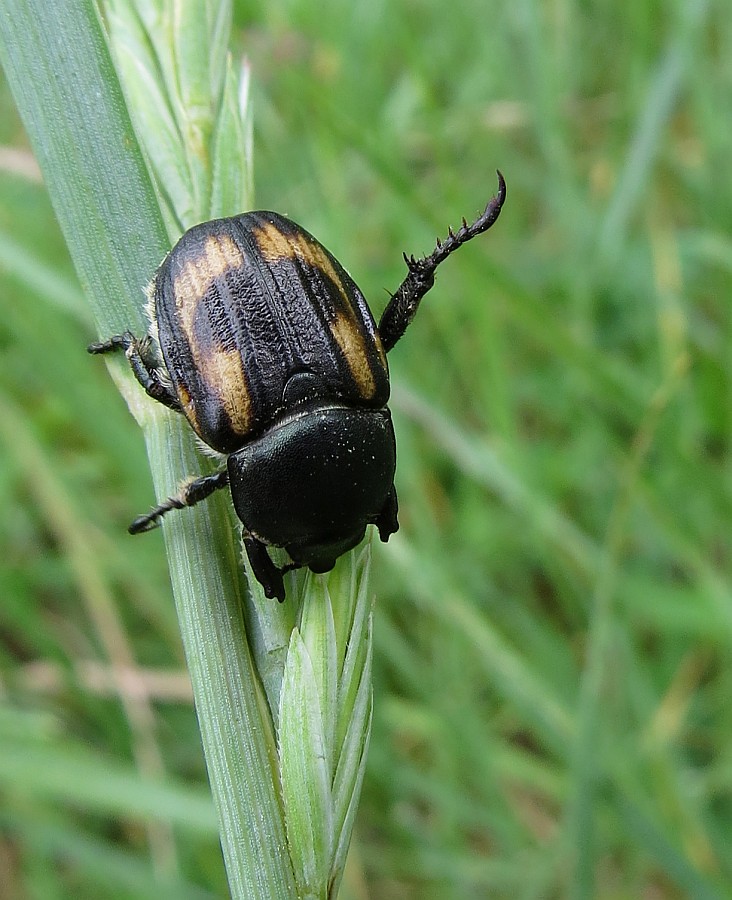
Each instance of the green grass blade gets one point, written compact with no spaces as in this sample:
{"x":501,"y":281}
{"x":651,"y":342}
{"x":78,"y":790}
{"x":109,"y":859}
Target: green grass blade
{"x":68,"y":94}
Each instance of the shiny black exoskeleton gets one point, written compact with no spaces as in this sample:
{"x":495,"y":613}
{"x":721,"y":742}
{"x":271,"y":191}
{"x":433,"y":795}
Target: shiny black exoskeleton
{"x":267,"y":346}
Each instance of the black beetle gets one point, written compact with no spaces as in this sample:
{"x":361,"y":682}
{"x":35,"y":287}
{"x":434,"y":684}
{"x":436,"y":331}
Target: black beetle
{"x":267,"y":346}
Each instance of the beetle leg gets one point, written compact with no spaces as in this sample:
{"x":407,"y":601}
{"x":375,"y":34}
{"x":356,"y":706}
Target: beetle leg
{"x":265,"y":571}
{"x":190,"y":493}
{"x":387,"y":522}
{"x":145,"y":367}
{"x":403,"y":305}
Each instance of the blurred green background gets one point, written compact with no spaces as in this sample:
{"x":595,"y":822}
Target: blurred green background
{"x":553,"y":655}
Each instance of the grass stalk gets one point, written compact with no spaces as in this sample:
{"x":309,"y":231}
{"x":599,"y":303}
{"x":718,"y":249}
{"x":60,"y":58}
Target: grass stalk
{"x":285,"y":717}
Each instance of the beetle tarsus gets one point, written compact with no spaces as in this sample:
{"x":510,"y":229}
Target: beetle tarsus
{"x":116,"y":342}
{"x":146,"y":367}
{"x":190,"y":494}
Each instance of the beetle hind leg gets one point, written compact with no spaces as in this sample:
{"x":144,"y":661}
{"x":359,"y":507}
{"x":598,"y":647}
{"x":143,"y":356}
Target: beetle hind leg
{"x":145,"y":365}
{"x":190,"y":493}
{"x":420,"y":277}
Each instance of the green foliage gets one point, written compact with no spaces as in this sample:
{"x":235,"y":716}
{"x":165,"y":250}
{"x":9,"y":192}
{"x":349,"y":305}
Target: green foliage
{"x":553,"y":629}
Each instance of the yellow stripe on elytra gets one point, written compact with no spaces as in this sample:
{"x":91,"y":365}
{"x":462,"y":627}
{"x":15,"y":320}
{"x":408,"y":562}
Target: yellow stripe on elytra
{"x":351,"y":343}
{"x":222,"y":370}
{"x":275,"y":246}
{"x":218,"y":255}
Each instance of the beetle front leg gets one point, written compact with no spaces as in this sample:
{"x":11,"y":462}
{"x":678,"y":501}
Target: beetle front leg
{"x":190,"y":494}
{"x":387,"y":521}
{"x":145,"y":367}
{"x":265,"y":571}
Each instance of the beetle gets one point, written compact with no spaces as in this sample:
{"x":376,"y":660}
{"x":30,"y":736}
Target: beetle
{"x":266,"y":345}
